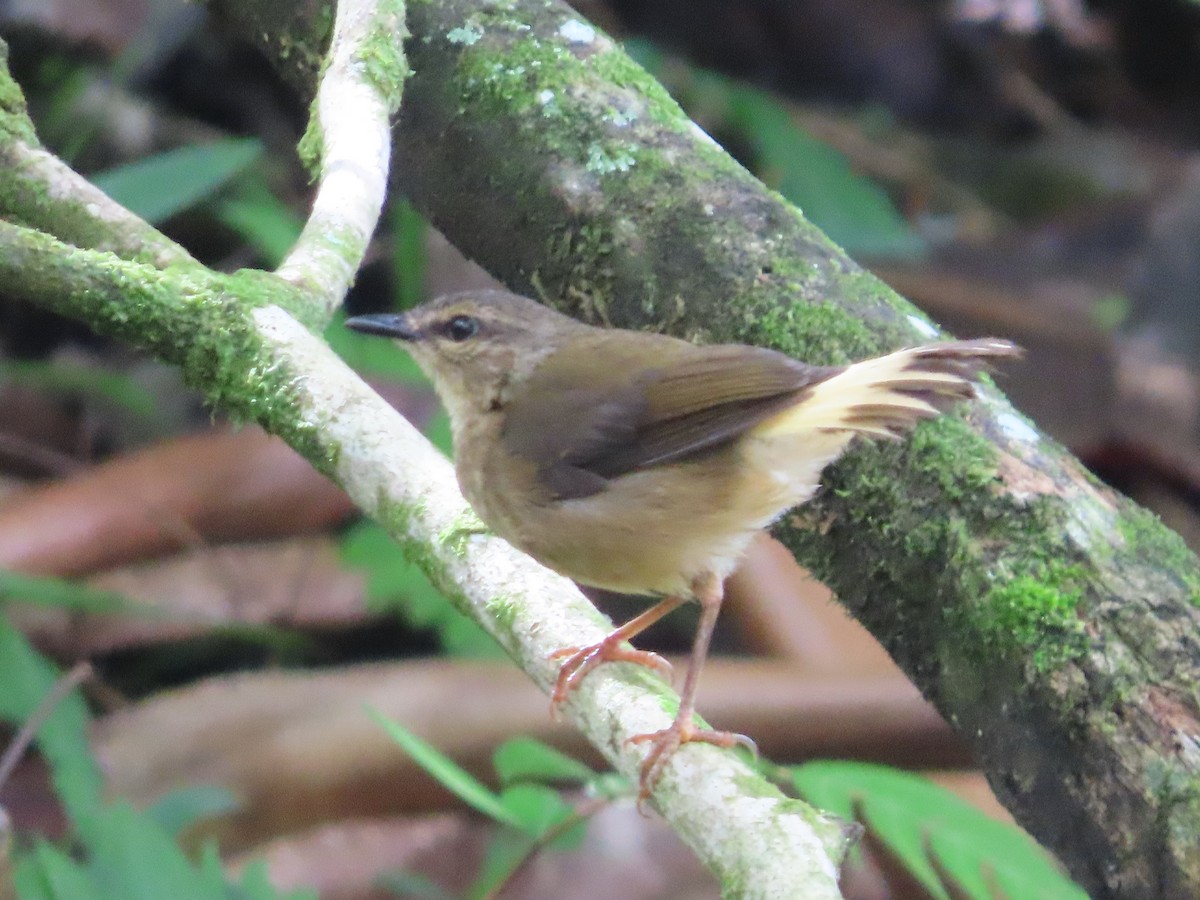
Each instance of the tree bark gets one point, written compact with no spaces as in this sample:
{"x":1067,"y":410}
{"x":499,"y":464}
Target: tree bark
{"x":1051,"y":620}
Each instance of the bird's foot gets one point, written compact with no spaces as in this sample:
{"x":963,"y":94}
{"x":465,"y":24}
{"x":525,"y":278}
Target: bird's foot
{"x":581,"y":660}
{"x":665,"y":743}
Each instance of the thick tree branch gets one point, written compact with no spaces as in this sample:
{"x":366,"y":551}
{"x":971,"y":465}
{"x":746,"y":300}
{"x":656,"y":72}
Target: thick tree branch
{"x":1052,"y":621}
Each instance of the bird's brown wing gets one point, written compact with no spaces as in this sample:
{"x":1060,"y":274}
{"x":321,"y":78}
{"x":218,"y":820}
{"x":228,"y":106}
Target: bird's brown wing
{"x":584,"y":427}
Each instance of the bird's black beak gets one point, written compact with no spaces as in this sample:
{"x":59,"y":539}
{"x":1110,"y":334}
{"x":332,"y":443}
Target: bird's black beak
{"x":393,"y":325}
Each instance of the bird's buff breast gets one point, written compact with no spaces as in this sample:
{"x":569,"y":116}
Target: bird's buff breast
{"x":650,"y":532}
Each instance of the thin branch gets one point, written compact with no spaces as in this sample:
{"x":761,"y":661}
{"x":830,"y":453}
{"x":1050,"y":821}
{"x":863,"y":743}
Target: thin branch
{"x":349,"y":135}
{"x":42,"y":191}
{"x":78,"y":674}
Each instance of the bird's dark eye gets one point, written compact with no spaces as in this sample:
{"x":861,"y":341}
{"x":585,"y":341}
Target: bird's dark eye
{"x":461,"y":327}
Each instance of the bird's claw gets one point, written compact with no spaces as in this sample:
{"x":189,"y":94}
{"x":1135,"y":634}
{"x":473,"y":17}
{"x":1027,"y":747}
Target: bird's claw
{"x":581,"y":660}
{"x":665,"y":743}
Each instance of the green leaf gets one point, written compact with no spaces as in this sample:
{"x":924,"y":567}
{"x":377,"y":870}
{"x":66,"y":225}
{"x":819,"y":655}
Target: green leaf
{"x":506,"y":852}
{"x":184,"y":807}
{"x":527,"y":759}
{"x":854,"y":211}
{"x":409,"y":230}
{"x":393,"y":583}
{"x":439,"y":434}
{"x":259,"y":217}
{"x":47,"y":873}
{"x":1110,"y":311}
{"x":913,"y":817}
{"x":536,"y":806}
{"x":62,"y":739}
{"x":448,"y":773}
{"x":158,"y":187}
{"x":133,"y":859}
{"x":541,"y":809}
{"x":256,"y":884}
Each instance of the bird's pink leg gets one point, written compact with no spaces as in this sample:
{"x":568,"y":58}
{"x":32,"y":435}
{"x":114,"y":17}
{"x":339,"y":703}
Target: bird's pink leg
{"x":683,"y":730}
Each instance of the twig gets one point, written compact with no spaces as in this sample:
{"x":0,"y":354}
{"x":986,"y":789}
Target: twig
{"x":78,"y":674}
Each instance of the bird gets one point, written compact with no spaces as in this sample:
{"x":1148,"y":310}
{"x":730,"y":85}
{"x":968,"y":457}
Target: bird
{"x":645,"y":464}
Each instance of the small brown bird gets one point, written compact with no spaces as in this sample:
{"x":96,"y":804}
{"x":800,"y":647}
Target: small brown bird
{"x":644,"y":464}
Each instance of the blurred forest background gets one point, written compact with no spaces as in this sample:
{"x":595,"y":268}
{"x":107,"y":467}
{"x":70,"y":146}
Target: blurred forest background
{"x":1016,"y":168}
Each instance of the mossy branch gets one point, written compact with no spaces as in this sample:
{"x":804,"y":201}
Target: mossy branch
{"x":246,"y":340}
{"x":348,"y":146}
{"x":1052,"y":621}
{"x":40,"y":190}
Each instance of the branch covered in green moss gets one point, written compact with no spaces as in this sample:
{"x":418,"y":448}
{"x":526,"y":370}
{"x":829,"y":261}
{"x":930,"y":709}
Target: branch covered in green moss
{"x":40,"y":190}
{"x":1051,"y":620}
{"x":348,"y":145}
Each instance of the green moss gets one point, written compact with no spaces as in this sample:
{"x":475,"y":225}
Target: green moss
{"x":198,"y":320}
{"x":507,"y":77}
{"x":1147,"y":538}
{"x":249,"y":289}
{"x":1036,"y":616}
{"x":15,"y":124}
{"x":819,"y":333}
{"x":836,"y":834}
{"x":998,"y":575}
{"x":503,"y":610}
{"x":614,"y":66}
{"x":301,"y":47}
{"x":397,"y":520}
{"x":465,"y":36}
{"x":455,"y":537}
{"x":508,"y":61}
{"x":585,"y":255}
{"x":215,"y":341}
{"x":382,"y":52}
{"x":27,"y":200}
{"x":586,"y":99}
{"x":321,"y":26}
{"x":1015,"y":559}
{"x":795,"y":318}
{"x":384,"y":66}
{"x":952,"y":454}
{"x":1177,"y":791}
{"x":311,"y":148}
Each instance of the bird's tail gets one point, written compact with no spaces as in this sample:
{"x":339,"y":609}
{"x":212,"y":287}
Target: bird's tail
{"x":886,"y":396}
